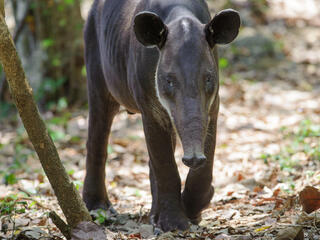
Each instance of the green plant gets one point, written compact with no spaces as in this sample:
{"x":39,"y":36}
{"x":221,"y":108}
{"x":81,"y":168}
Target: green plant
{"x":304,"y":140}
{"x":19,"y":159}
{"x":6,"y":109}
{"x":49,"y":86}
{"x":100,"y":216}
{"x":223,"y":63}
{"x":11,"y":205}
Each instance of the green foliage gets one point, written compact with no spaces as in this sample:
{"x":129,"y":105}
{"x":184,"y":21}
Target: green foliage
{"x":49,"y":86}
{"x":56,"y":135}
{"x":10,"y":179}
{"x":78,"y":184}
{"x":84,"y":71}
{"x":11,"y":205}
{"x":47,"y":43}
{"x":223,"y":63}
{"x":6,"y":109}
{"x":19,"y":163}
{"x":307,"y":129}
{"x":19,"y":159}
{"x":304,"y":140}
{"x":69,"y":2}
{"x":110,"y":149}
{"x":100,"y":216}
{"x":60,"y":120}
{"x":54,"y":125}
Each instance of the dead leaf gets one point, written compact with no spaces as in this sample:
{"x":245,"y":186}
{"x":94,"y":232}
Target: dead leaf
{"x":276,"y":192}
{"x":88,"y":230}
{"x":310,"y":199}
{"x":223,"y":237}
{"x":257,"y":189}
{"x":291,"y":233}
{"x":32,"y":234}
{"x":121,"y":142}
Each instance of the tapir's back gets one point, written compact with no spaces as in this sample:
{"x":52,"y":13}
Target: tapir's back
{"x":114,"y":19}
{"x":124,"y":61}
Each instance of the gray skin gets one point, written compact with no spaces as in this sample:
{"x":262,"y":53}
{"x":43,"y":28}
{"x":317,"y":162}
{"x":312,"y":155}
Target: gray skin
{"x":157,"y":58}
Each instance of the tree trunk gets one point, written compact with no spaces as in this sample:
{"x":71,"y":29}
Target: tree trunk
{"x":67,"y":195}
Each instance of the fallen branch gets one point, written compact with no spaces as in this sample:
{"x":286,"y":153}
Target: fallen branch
{"x":63,"y":227}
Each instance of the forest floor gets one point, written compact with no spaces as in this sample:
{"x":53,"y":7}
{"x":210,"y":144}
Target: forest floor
{"x":268,"y":146}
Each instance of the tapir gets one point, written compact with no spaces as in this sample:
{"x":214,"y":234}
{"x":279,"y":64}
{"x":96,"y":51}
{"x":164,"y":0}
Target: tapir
{"x":157,"y":58}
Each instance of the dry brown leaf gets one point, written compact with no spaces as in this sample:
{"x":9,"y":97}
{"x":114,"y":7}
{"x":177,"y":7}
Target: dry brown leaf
{"x":121,"y":142}
{"x":291,"y":233}
{"x":276,"y":192}
{"x":257,"y":189}
{"x":88,"y":230}
{"x":310,"y":199}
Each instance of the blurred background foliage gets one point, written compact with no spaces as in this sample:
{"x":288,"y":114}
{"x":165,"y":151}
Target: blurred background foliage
{"x":48,"y":36}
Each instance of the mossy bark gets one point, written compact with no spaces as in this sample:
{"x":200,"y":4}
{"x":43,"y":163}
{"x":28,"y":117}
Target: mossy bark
{"x":67,"y":195}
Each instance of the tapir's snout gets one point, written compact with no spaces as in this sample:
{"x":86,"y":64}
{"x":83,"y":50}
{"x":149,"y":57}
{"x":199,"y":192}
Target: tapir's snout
{"x":195,"y":161}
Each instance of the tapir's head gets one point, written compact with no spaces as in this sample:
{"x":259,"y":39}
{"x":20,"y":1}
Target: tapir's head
{"x":187,"y":71}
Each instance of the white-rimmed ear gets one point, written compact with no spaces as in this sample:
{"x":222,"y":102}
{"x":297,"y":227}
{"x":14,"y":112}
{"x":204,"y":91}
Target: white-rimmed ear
{"x":223,"y":28}
{"x":150,"y":30}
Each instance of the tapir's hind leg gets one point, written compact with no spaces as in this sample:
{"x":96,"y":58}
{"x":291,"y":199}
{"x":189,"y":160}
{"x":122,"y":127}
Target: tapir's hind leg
{"x":102,"y":109}
{"x":198,"y":190}
{"x":167,"y":209}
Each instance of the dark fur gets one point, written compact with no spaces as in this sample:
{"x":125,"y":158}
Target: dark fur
{"x":122,"y":71}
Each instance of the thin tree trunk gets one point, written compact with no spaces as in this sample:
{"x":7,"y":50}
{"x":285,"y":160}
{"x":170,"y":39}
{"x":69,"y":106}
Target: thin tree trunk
{"x":67,"y":195}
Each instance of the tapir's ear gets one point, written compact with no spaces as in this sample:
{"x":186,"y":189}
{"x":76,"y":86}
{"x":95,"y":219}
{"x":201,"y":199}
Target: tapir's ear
{"x":150,"y":30}
{"x":223,"y":28}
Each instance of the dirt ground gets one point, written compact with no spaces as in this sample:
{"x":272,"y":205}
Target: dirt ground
{"x":268,"y":143}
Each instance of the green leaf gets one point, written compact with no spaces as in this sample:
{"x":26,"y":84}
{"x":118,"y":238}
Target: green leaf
{"x":69,"y":2}
{"x":46,"y":43}
{"x":10,"y":179}
{"x":223,"y":63}
{"x":62,"y":104}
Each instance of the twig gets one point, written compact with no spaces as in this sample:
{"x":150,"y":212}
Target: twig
{"x":36,"y":202}
{"x":63,"y":227}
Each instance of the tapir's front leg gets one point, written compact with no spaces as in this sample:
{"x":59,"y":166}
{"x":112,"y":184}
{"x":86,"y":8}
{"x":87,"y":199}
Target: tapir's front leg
{"x":167,"y":211}
{"x":198,"y":190}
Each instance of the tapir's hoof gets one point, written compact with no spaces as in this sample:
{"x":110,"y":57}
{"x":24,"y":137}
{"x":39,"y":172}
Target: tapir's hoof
{"x":172,"y":221}
{"x":94,"y":206}
{"x":196,"y":220}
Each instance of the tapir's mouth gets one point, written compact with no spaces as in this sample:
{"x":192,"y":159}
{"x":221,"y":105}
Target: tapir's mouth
{"x":194,"y":162}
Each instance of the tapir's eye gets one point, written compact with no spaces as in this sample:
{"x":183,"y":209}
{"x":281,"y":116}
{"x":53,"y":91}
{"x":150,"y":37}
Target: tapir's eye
{"x":209,"y":83}
{"x":169,"y":82}
{"x":168,"y":85}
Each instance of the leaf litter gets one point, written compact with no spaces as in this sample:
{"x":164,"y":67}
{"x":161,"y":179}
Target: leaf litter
{"x":267,"y":157}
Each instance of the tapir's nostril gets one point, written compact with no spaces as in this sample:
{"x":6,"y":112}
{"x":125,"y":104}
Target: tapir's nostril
{"x":194,"y":162}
